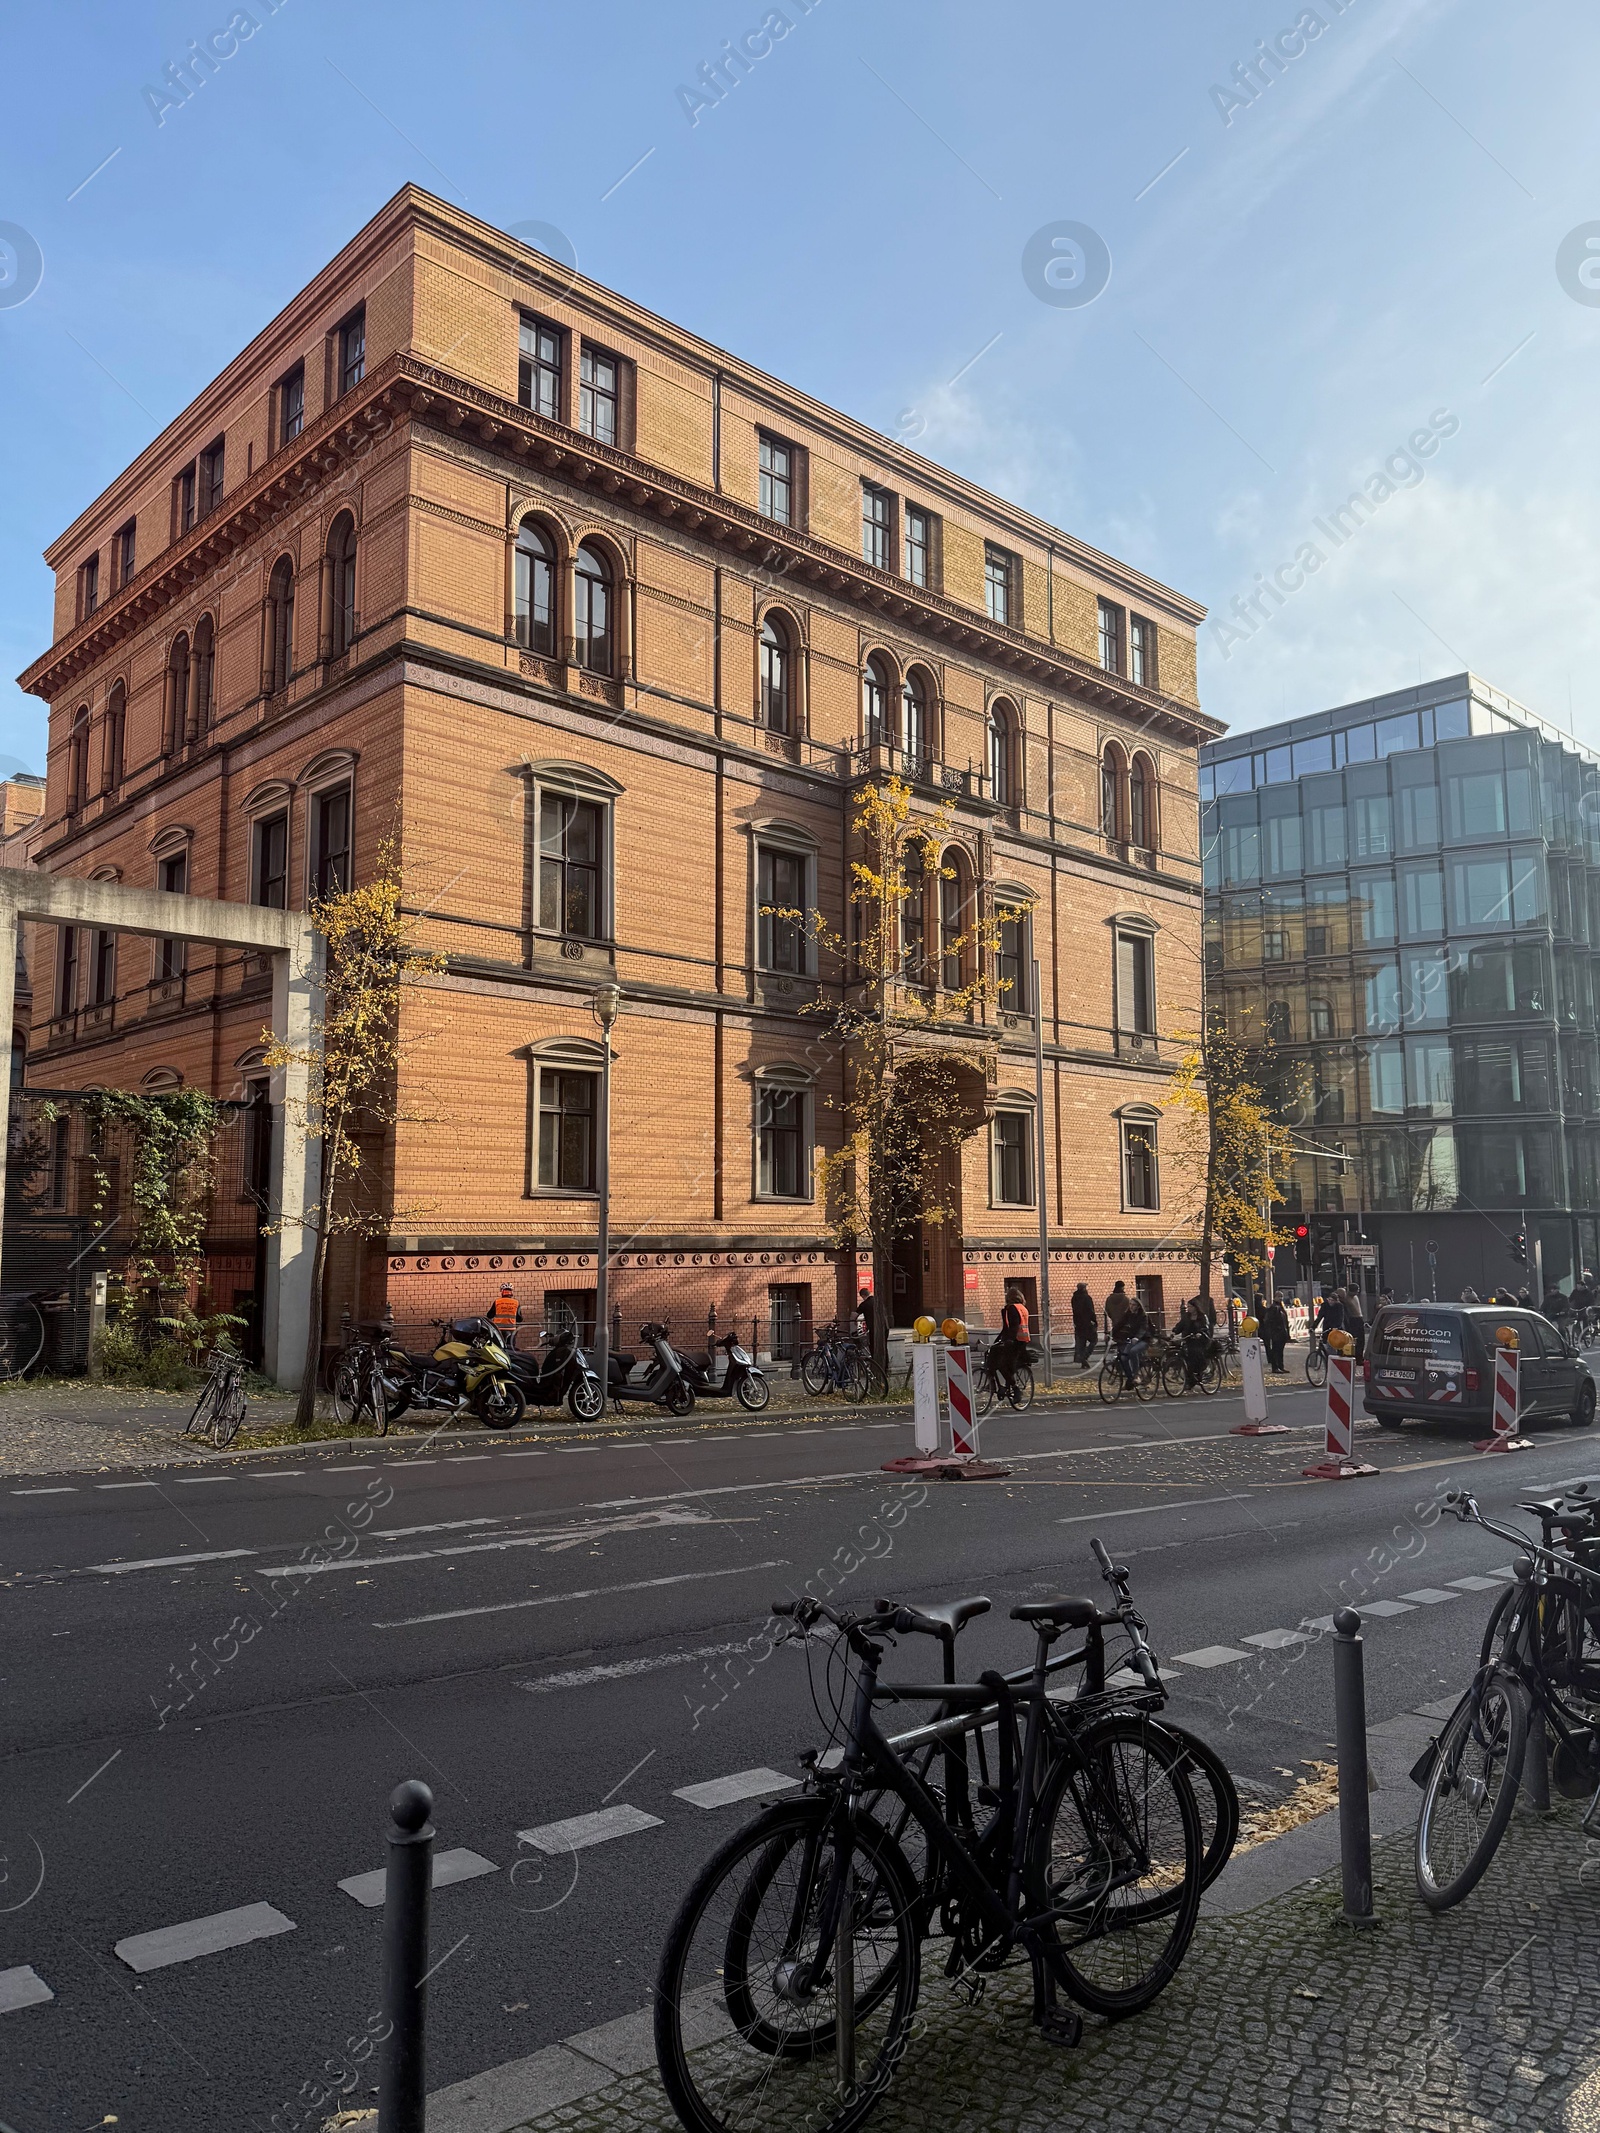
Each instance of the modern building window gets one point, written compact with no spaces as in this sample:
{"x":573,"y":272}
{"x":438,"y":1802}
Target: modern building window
{"x":202,"y":672}
{"x":352,"y":351}
{"x":539,"y":368}
{"x":783,"y":907}
{"x":1141,"y":652}
{"x":1140,"y":1177}
{"x":341,"y":585}
{"x":103,"y":968}
{"x":1011,"y":1146}
{"x":877,"y":526}
{"x":783,"y":1153}
{"x":292,"y":404}
{"x":876,"y":726}
{"x":88,"y":587}
{"x":775,"y":486}
{"x":1136,"y":988}
{"x":997,"y":583}
{"x":1141,"y":804}
{"x":330,"y":841}
{"x":184,"y":512}
{"x":777,"y":676}
{"x":1421,"y":900}
{"x":66,"y":969}
{"x":571,"y":845}
{"x":598,"y":396}
{"x":918,"y":543}
{"x":278,"y":664}
{"x":114,"y":739}
{"x":1110,"y":637}
{"x":535,"y":591}
{"x":1003,"y":755}
{"x":211,"y":476}
{"x":593,"y":642}
{"x":124,"y":554}
{"x":916,"y":723}
{"x":269,"y":884}
{"x":175,"y":708}
{"x":78,"y":761}
{"x":172,"y":875}
{"x":567,"y":1121}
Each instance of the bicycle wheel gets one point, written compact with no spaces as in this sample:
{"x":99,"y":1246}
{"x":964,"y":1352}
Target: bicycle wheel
{"x":1117,"y":1849}
{"x":347,"y":1387}
{"x":1112,"y":1382}
{"x":1317,"y":1366}
{"x":1471,"y":1791}
{"x":747,"y":2004}
{"x":1022,"y":1387}
{"x":1211,"y":1376}
{"x":228,"y":1412}
{"x":200,"y":1420}
{"x":1216,"y":1796}
{"x":814,"y":1375}
{"x":983,"y":1393}
{"x":854,"y":1377}
{"x":373,"y":1397}
{"x":1174,"y":1378}
{"x":1148,"y":1382}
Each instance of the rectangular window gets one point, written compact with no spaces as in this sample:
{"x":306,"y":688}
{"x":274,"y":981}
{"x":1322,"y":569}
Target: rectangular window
{"x":1386,"y":1093}
{"x":172,"y":956}
{"x":567,"y":1119}
{"x":1013,"y":1158}
{"x":539,"y":368}
{"x":783,"y":1167}
{"x":270,"y":886}
{"x":330,"y":842}
{"x":1012,"y":965}
{"x":1417,"y":807}
{"x":996,"y":583}
{"x":776,"y":481}
{"x":1141,"y":651}
{"x":292,"y":404}
{"x":60,"y":1144}
{"x":1430,"y":1076}
{"x":918,"y":538}
{"x":124,"y":551}
{"x":570,"y":846}
{"x":598,"y":396}
{"x":88,"y":587}
{"x":66,"y":969}
{"x":1480,"y":891}
{"x":103,"y":968}
{"x":783,"y":921}
{"x":1422,"y":899}
{"x":211,"y":476}
{"x":1371,"y":829}
{"x":352,"y":351}
{"x":183,"y":504}
{"x":1136,"y":1002}
{"x":1110,"y":627}
{"x":1425,"y":980}
{"x":1139,"y":1181}
{"x":877,"y":508}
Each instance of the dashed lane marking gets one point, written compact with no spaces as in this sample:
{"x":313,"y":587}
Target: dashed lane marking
{"x":448,"y":1867}
{"x":22,"y":1987}
{"x":198,"y":1481}
{"x":202,"y":1936}
{"x":552,"y":1537}
{"x":165,"y":1562}
{"x":1274,"y":1640}
{"x":1209,"y":1655}
{"x":1138,"y":1510}
{"x":58,"y":1491}
{"x":623,"y":1669}
{"x":742,"y":1785}
{"x":578,"y":1832}
{"x":1387,"y":1607}
{"x":1429,"y":1596}
{"x":594,"y":1592}
{"x":127,"y":1484}
{"x":1476,"y":1585}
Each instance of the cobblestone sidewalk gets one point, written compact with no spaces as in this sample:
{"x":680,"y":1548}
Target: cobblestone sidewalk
{"x":74,"y":1426}
{"x":1283,"y":2020}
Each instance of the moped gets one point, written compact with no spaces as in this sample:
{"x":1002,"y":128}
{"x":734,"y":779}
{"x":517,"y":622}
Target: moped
{"x":662,"y":1383}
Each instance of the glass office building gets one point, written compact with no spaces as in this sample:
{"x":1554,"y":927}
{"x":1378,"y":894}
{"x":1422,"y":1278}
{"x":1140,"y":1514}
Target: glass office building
{"x":1404,"y":895}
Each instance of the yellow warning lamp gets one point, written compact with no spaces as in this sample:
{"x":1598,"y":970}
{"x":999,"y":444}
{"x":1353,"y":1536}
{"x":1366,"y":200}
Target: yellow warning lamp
{"x":954,"y":1329}
{"x":1248,"y":1327}
{"x":1505,"y":1337}
{"x":922,"y":1329}
{"x":1341,"y":1342}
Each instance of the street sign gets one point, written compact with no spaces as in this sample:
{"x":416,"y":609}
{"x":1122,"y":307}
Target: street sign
{"x":1433,"y":1249}
{"x":1364,"y":1254}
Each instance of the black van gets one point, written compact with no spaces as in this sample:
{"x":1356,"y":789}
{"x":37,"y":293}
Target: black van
{"x":1435,"y":1361}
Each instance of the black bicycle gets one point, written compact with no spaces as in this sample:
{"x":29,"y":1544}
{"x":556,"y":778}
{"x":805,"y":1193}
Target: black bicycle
{"x":791,"y":1974}
{"x":995,"y":1382}
{"x":1539,"y":1664}
{"x":220,"y":1408}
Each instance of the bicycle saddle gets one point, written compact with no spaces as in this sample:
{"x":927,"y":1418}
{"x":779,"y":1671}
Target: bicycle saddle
{"x":1065,"y":1614}
{"x":954,"y":1615}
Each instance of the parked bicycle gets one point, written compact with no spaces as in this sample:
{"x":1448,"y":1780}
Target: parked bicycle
{"x":220,"y":1408}
{"x":835,"y":1364}
{"x":1539,"y":1664}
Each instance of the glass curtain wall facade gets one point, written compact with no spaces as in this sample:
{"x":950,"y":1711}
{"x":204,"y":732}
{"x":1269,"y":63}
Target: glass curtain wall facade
{"x":1405,"y":897}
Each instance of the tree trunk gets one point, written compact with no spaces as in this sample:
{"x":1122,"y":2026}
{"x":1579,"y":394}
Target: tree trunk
{"x":305,"y":1413}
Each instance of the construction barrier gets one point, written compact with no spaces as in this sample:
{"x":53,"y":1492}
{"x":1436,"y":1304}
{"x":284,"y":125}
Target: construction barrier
{"x":1252,"y":1365}
{"x":1507,"y":1404}
{"x":961,"y":1461}
{"x":1338,"y":1462}
{"x":958,"y":1386}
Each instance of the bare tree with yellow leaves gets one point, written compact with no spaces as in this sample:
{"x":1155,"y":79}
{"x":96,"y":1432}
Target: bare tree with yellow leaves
{"x":1231,"y":1151}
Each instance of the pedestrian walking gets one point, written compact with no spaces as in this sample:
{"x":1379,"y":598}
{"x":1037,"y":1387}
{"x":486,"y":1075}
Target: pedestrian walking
{"x":1274,"y":1324}
{"x":1117,"y":1308}
{"x":1085,"y":1325}
{"x":1355,"y":1323}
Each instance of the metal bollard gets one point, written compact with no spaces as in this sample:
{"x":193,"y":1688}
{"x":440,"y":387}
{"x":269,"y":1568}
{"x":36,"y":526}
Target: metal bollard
{"x":402,"y":2088}
{"x":1350,"y":1736}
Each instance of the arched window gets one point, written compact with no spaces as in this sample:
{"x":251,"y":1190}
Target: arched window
{"x":955,"y":921}
{"x":1112,"y":771}
{"x":1142,"y":804}
{"x":175,"y":709}
{"x":278,"y":663}
{"x":535,"y":593}
{"x":914,"y":919}
{"x":1003,"y":754}
{"x":114,"y":738}
{"x":202,"y":667}
{"x":341,"y":585}
{"x":777,"y":676}
{"x":78,"y":761}
{"x":592,"y":610}
{"x":916,"y":722}
{"x":877,"y":729}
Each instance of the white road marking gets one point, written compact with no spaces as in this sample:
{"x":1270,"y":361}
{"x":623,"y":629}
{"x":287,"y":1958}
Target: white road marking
{"x":1429,"y":1596}
{"x":199,"y":1481}
{"x":524,"y":1455}
{"x":594,"y":1592}
{"x":22,"y":1987}
{"x":579,"y":1447}
{"x":1123,"y":1678}
{"x":1209,"y":1655}
{"x":281,"y":1473}
{"x":622,"y":1669}
{"x":448,"y":1525}
{"x":580,"y":1831}
{"x":164,"y":1562}
{"x":71,"y":1491}
{"x":1506,"y":1573}
{"x":448,"y":1867}
{"x":1475,"y":1585}
{"x":1386,"y":1607}
{"x":554,"y":1537}
{"x":466,"y":1458}
{"x":201,"y":1936}
{"x":1274,"y":1640}
{"x":127,"y":1484}
{"x":1184,"y":1503}
{"x":743,"y":1785}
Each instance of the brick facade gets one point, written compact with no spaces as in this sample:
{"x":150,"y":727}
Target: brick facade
{"x":450,"y":728}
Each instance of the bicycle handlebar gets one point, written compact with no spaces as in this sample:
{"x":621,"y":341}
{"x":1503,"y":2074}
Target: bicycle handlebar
{"x":1465,"y":1506}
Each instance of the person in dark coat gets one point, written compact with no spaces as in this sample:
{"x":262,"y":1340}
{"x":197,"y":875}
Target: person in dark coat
{"x":1085,"y":1325}
{"x":1354,"y":1322}
{"x":1117,"y":1308}
{"x":1274,"y":1323}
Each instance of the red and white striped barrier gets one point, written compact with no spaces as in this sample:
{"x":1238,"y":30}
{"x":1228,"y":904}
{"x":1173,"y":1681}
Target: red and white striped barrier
{"x":1338,"y":1462}
{"x":958,"y":1387}
{"x":1507,"y":1402}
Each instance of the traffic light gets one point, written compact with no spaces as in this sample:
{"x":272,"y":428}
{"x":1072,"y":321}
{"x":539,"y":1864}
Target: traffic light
{"x":1519,"y":1247}
{"x":1302,"y":1246}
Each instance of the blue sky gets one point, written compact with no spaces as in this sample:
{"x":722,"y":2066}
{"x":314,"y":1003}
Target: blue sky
{"x":1370,"y":245}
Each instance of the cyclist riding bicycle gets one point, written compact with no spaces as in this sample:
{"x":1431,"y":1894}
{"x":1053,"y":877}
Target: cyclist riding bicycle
{"x":1195,"y":1337}
{"x":1010,"y":1351}
{"x":1132,"y":1339}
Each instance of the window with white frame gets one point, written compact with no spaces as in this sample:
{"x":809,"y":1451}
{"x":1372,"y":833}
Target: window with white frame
{"x":783,"y":909}
{"x":569,"y":1111}
{"x":783,"y":1138}
{"x":1141,"y":1180}
{"x":776,"y":480}
{"x":539,"y":367}
{"x":571,"y":854}
{"x":998,"y":576}
{"x":1011,"y":1155}
{"x":918,"y":546}
{"x":599,"y":396}
{"x":877,"y":525}
{"x":1110,"y":637}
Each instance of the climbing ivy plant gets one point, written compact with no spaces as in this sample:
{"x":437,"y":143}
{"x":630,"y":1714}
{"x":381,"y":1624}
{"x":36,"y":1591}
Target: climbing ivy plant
{"x":168,"y":1140}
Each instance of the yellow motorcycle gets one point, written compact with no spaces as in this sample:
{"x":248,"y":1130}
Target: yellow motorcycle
{"x":470,"y":1368}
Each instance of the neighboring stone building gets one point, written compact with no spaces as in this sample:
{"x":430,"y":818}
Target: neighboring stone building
{"x":21,"y":814}
{"x":607,"y":627}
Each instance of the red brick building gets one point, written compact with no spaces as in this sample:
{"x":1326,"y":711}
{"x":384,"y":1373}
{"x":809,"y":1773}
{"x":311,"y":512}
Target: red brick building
{"x":606,"y":628}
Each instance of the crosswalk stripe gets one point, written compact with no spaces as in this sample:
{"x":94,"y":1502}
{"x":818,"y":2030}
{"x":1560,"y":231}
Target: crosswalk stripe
{"x":22,"y":1987}
{"x":579,"y":1831}
{"x":202,"y":1936}
{"x":742,"y":1785}
{"x":448,"y":1867}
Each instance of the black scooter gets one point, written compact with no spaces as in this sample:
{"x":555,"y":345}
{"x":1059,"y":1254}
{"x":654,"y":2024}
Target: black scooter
{"x":564,"y":1372}
{"x":665,"y":1383}
{"x":743,"y":1380}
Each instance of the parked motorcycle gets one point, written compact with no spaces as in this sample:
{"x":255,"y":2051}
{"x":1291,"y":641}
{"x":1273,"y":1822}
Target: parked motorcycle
{"x":470,"y":1368}
{"x":663,"y":1383}
{"x":564,"y":1372}
{"x":743,"y":1379}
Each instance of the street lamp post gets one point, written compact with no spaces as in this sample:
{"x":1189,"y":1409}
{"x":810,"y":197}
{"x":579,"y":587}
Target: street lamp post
{"x":606,"y":1006}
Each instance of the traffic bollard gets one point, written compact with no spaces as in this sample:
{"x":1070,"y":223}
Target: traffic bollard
{"x":402,"y":2090}
{"x":1350,"y":1737}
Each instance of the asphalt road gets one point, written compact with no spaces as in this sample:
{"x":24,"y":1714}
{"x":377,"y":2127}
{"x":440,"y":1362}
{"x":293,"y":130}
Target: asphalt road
{"x":212,"y":1680}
